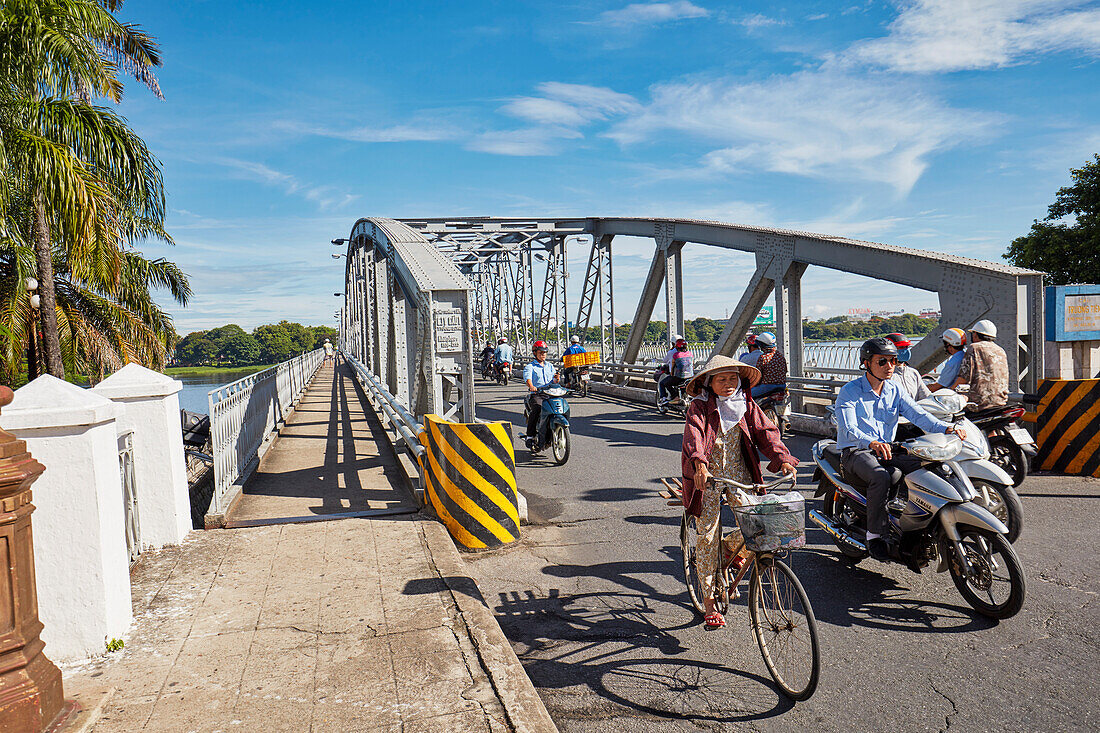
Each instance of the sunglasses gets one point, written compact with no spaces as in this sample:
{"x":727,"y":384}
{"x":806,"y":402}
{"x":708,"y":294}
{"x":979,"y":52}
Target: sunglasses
{"x":884,"y":360}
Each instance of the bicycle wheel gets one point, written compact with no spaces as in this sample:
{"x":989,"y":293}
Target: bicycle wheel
{"x":785,"y":628}
{"x":687,"y":552}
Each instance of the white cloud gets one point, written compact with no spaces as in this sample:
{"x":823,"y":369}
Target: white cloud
{"x":527,"y":141}
{"x":545,"y":111}
{"x":951,"y":35}
{"x":326,"y":197}
{"x":414,"y":132}
{"x":652,"y":13}
{"x":823,"y":124}
{"x":756,"y":20}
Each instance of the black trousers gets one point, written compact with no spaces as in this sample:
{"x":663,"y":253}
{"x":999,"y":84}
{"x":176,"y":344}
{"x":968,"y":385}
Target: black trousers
{"x":534,"y":403}
{"x":875,"y":472}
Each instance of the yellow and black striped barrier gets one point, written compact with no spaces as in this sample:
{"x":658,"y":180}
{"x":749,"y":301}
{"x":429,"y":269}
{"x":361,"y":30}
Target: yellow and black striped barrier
{"x":469,"y":472}
{"x":1068,"y":422}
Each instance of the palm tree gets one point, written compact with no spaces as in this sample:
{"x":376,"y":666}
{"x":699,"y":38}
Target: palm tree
{"x":79,"y":173}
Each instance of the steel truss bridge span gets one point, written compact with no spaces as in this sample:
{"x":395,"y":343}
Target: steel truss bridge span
{"x":491,"y":266}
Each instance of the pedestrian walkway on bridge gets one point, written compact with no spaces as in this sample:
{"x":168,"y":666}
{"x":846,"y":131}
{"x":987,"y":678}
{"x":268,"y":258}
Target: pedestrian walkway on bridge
{"x":365,"y":621}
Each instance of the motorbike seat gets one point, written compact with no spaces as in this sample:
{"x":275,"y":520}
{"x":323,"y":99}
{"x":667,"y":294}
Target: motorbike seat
{"x":988,"y":414}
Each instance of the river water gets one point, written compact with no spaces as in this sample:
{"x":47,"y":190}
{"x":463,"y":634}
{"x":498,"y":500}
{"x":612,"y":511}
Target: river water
{"x":193,"y":396}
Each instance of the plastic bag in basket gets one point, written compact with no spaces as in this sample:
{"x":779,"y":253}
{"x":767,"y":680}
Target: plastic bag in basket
{"x":772,"y":521}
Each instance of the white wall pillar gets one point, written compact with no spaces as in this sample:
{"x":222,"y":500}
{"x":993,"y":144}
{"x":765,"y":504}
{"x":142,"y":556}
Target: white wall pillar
{"x":152,"y":412}
{"x":80,"y":554}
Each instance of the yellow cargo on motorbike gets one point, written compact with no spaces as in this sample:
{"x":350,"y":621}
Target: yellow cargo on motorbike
{"x":572,"y":361}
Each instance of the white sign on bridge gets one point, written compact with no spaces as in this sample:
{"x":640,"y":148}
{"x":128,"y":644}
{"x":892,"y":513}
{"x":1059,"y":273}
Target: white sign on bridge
{"x":448,"y":330}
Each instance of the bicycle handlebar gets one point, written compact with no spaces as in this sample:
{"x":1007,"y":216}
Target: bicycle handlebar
{"x":785,"y":478}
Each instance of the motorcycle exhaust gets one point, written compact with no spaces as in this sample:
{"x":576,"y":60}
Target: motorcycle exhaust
{"x":835,"y":531}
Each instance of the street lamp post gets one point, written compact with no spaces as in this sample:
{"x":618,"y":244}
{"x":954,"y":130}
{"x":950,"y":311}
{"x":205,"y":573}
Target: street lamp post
{"x":32,"y":350}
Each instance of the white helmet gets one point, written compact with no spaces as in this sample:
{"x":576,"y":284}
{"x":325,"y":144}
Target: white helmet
{"x":954,"y":337}
{"x":766,"y":339}
{"x":575,"y":339}
{"x":678,"y":337}
{"x":985,"y":327}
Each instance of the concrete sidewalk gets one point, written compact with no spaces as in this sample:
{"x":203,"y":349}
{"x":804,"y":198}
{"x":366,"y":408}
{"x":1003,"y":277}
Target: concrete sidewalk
{"x":366,"y":623}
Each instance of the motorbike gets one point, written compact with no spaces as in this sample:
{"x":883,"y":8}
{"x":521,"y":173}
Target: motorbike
{"x":935,"y":513}
{"x":777,"y":406}
{"x":502,"y":372}
{"x":577,"y":379}
{"x":487,"y":367}
{"x":993,"y":484}
{"x":677,"y":401}
{"x":553,"y":425}
{"x":1010,"y":446}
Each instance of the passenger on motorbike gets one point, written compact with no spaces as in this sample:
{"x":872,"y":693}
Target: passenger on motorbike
{"x":750,"y":357}
{"x":487,"y":353}
{"x":503,"y":353}
{"x":984,"y":368}
{"x":722,"y":431}
{"x":537,"y":374}
{"x":954,"y":341}
{"x":574,"y":348}
{"x":772,"y":365}
{"x":679,"y":367}
{"x":907,"y":377}
{"x":867,"y":411}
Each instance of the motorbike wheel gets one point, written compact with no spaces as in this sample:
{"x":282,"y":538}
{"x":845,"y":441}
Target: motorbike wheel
{"x":1002,"y":502}
{"x":832,"y":507}
{"x":559,"y":443}
{"x":584,"y":389}
{"x":1005,"y":453}
{"x":995,"y":586}
{"x":661,"y":407}
{"x":785,"y":628}
{"x":502,"y":380}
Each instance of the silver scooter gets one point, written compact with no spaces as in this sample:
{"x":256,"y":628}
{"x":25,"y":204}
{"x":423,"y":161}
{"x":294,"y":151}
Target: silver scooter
{"x":937,"y":518}
{"x":992,"y":483}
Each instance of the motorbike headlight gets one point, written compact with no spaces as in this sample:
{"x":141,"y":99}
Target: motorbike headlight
{"x":930,"y":450}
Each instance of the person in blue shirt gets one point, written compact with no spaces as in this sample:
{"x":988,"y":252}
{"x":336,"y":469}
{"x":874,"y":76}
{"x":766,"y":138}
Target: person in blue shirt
{"x":867,"y":411}
{"x":574,"y":348}
{"x":503,"y":352}
{"x":537,"y":375}
{"x":954,"y":343}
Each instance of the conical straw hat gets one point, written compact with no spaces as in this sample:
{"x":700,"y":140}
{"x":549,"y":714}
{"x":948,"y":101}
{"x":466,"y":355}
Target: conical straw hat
{"x":719,"y":363}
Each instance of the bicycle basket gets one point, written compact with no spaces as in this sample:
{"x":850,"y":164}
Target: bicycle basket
{"x":773,"y":522}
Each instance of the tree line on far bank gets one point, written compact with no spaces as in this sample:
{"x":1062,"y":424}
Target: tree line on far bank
{"x":838,"y":328}
{"x":232,"y":346}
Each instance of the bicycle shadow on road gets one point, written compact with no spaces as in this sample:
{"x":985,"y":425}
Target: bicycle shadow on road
{"x":614,"y":644}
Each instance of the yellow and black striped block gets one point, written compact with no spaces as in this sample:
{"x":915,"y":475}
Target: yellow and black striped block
{"x":1068,"y":420}
{"x":469,"y":472}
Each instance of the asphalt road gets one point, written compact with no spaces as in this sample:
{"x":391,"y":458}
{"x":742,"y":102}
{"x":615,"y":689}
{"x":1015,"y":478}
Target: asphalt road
{"x":593,"y":601}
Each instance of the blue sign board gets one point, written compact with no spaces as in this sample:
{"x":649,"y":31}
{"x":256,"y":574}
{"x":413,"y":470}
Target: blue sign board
{"x":1073,"y":312}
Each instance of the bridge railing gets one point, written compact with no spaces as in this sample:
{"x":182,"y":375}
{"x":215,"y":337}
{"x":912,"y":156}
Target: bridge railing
{"x":401,"y":422}
{"x":244,"y":413}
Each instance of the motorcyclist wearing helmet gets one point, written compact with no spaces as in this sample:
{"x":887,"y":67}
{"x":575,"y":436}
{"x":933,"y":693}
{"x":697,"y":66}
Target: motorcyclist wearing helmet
{"x":867,"y":411}
{"x":487,"y":352}
{"x":537,"y":374}
{"x":503,"y":353}
{"x":906,"y":376}
{"x":954,"y":341}
{"x":984,"y":368}
{"x":574,"y":348}
{"x":772,"y":365}
{"x":753,"y":354}
{"x":678,"y":368}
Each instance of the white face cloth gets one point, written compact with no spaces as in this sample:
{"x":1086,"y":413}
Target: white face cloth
{"x":731,"y":409}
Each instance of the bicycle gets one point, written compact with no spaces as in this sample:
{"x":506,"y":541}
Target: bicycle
{"x":780,"y":614}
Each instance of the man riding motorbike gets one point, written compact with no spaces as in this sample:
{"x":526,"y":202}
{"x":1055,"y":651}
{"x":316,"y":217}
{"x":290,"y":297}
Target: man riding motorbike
{"x":575,"y":347}
{"x":537,"y":375}
{"x":503,"y":353}
{"x":487,"y":354}
{"x":772,"y":365}
{"x":954,"y":341}
{"x":751,"y":356}
{"x":867,"y":411}
{"x":907,"y":377}
{"x":679,"y":366}
{"x":984,"y":368}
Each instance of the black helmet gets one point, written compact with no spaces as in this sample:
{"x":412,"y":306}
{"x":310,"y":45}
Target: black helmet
{"x":878,"y":346}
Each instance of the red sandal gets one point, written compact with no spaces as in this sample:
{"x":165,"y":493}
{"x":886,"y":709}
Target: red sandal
{"x":714,"y":620}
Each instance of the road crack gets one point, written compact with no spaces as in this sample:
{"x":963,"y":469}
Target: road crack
{"x":954,"y":707}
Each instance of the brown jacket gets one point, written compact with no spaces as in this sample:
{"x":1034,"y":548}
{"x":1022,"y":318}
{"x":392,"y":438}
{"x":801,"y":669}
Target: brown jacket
{"x":701,"y":429}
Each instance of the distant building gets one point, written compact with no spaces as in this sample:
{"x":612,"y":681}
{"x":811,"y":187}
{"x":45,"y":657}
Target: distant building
{"x":929,"y":314}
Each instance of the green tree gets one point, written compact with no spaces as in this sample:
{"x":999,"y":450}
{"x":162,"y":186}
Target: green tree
{"x":220,"y":336}
{"x":320,"y":333}
{"x":195,"y":349}
{"x":300,"y":336}
{"x":239,"y":350}
{"x":72,"y":175}
{"x":1066,"y":243}
{"x":275,"y":343}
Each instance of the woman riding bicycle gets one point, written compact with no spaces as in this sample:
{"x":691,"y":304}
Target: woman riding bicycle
{"x":722,"y":431}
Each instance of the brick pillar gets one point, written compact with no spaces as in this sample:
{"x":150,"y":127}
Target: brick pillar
{"x":30,"y":685}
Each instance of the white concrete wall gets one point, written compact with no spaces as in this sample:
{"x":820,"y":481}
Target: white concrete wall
{"x":150,"y":405}
{"x":1072,"y":359}
{"x":80,"y":556}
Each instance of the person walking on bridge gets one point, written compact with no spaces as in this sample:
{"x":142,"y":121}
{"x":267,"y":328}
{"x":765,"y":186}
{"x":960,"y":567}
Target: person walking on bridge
{"x":537,"y":374}
{"x":723,"y":430}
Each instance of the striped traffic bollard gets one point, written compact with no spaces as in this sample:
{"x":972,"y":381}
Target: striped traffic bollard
{"x":1068,"y":423}
{"x":469,"y":472}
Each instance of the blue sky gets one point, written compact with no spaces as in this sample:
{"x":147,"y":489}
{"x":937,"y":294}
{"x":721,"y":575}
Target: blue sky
{"x":936,"y":124}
